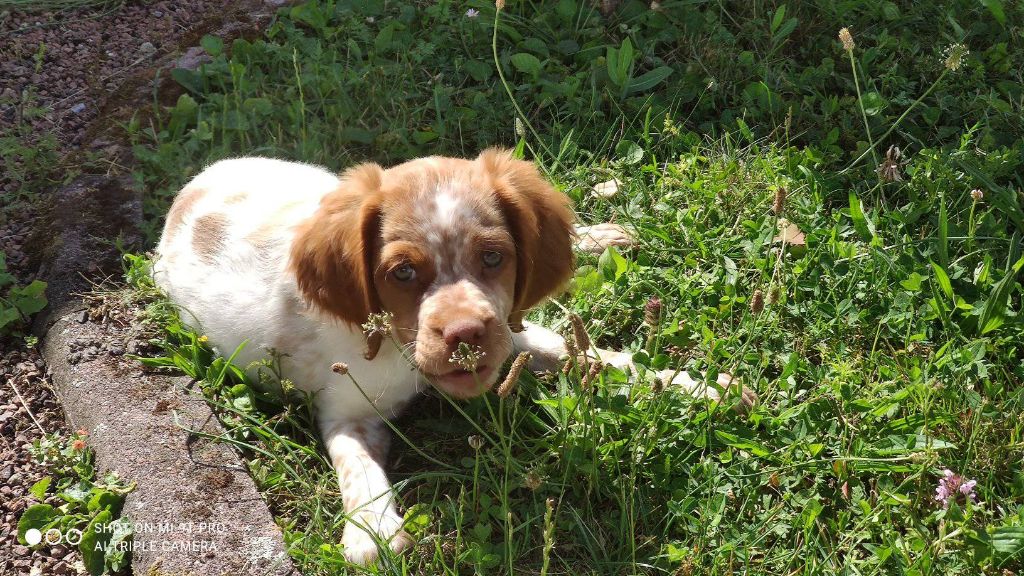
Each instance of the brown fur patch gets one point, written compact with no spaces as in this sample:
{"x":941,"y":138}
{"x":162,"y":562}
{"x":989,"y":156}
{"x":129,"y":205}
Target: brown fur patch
{"x":541,"y":221}
{"x":263,"y":239}
{"x":270,"y":233}
{"x":208,"y":236}
{"x":333,"y":252}
{"x":181,"y":207}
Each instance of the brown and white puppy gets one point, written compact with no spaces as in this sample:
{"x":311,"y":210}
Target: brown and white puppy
{"x":287,"y":256}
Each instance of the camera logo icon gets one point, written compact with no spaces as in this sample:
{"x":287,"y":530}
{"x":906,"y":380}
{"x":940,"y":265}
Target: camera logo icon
{"x":53,"y":536}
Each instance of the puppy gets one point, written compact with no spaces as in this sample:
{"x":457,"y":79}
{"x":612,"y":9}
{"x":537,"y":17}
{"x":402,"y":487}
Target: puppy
{"x":290,"y":257}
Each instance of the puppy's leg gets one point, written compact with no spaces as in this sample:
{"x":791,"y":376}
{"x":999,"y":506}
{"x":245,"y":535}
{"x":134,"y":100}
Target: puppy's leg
{"x":357,"y":450}
{"x":548,"y":352}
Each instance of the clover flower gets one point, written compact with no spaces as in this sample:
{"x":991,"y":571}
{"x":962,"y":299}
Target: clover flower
{"x":954,"y":488}
{"x":977,"y":195}
{"x":889,"y":169}
{"x":472,"y":13}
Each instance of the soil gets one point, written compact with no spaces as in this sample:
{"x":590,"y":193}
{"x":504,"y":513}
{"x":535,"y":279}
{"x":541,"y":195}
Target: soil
{"x":75,"y":64}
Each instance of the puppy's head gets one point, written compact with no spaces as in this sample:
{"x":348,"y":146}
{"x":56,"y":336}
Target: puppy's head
{"x":456,"y":250}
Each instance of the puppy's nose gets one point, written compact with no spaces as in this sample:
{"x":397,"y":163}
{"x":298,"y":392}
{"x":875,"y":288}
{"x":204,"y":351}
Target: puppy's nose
{"x":468,"y":330}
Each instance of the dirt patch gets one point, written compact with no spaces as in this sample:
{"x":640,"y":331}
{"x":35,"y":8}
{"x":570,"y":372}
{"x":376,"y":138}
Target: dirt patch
{"x":79,"y":235}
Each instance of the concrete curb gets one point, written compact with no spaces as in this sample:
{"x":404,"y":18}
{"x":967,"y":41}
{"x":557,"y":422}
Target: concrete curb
{"x":196,"y":510}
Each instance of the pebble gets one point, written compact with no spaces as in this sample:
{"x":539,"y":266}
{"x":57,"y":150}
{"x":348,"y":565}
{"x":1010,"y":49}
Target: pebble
{"x":193,"y":58}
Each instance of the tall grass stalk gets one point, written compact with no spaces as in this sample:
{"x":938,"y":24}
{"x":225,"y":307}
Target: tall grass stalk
{"x":508,"y":88}
{"x":914,"y":104}
{"x":860,"y":104}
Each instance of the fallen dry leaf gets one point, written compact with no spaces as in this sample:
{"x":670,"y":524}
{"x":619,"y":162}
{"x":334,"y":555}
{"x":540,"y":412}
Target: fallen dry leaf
{"x":789,"y":234}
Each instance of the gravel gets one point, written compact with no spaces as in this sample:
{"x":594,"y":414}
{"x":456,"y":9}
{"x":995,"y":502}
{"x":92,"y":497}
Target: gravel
{"x":68,"y":63}
{"x":23,"y":370}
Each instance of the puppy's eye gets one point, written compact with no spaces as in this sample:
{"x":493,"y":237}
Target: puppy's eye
{"x":404,"y":273}
{"x":491,"y":259}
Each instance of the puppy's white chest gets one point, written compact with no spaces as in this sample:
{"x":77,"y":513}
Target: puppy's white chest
{"x":382,"y":386}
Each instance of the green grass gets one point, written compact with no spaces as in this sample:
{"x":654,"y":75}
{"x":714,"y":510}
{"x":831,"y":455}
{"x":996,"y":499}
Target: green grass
{"x":888,"y":348}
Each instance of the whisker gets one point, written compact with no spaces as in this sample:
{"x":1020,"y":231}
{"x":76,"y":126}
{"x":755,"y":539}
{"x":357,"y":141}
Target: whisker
{"x":408,"y":352}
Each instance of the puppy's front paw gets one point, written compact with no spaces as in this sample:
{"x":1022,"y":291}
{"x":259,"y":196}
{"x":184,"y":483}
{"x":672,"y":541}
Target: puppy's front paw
{"x":362,"y":535}
{"x":594,"y":239}
{"x":731,"y":384}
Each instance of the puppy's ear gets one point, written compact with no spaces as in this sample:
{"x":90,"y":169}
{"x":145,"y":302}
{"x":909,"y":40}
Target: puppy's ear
{"x":541,"y":221}
{"x":333,"y":251}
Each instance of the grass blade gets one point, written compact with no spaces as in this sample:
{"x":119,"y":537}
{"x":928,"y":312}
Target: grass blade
{"x":992,"y":313}
{"x":860,"y":222}
{"x":943,"y":233}
{"x":943,"y":279}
